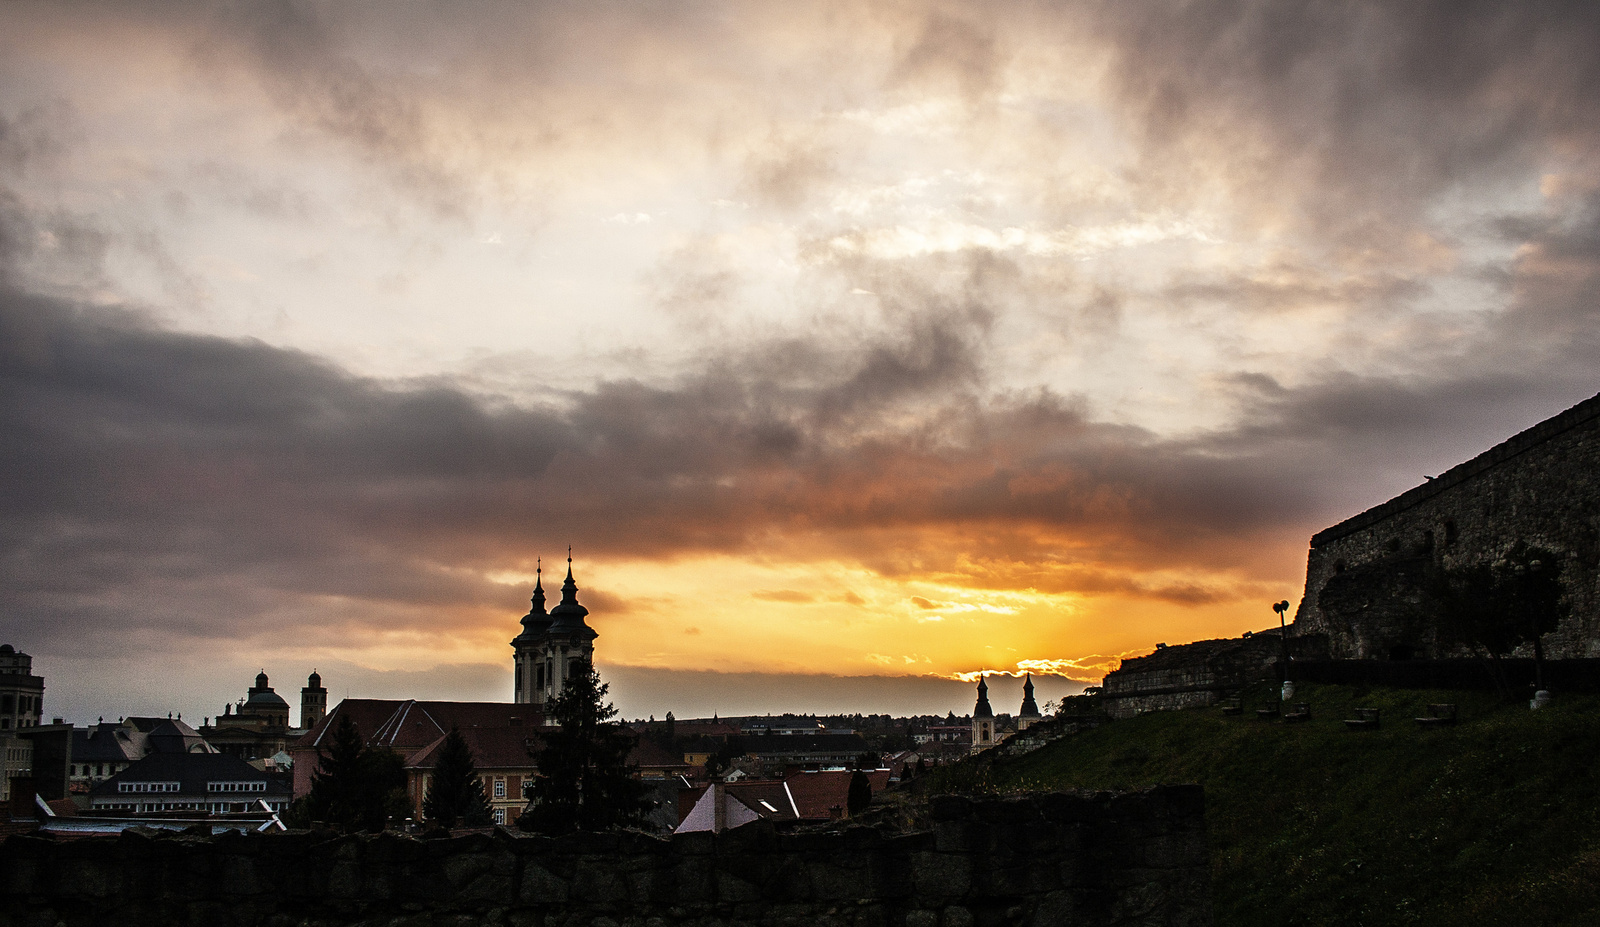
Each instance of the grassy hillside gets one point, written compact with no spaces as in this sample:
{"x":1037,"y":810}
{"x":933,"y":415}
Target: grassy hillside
{"x":1490,"y":822}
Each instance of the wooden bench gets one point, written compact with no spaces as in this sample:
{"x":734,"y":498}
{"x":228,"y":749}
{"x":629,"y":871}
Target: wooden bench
{"x":1441,"y":715}
{"x":1232,"y":706}
{"x":1301,"y":712}
{"x":1267,"y":714}
{"x":1366,"y":719}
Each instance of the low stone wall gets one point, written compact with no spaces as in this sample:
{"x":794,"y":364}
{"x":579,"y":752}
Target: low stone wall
{"x":1060,"y":859}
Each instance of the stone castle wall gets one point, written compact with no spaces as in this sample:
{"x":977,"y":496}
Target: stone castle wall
{"x":1060,"y":859}
{"x":1366,"y":589}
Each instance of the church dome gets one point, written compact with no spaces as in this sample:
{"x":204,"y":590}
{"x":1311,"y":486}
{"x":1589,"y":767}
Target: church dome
{"x":267,"y":699}
{"x":262,"y":696}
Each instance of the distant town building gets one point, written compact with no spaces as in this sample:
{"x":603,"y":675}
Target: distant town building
{"x":21,"y":692}
{"x":1029,"y":715}
{"x":982,"y":719}
{"x":21,"y":707}
{"x":313,"y":702}
{"x":211,"y":783}
{"x":812,"y":750}
{"x":551,"y":646}
{"x":503,"y":737}
{"x":257,"y":727}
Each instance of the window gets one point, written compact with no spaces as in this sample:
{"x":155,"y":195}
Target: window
{"x":500,"y":789}
{"x":499,"y":815}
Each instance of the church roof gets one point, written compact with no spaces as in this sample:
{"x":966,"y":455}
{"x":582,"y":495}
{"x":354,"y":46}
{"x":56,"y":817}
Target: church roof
{"x":408,"y":725}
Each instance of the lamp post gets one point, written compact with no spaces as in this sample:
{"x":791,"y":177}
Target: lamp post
{"x":1287,"y":690}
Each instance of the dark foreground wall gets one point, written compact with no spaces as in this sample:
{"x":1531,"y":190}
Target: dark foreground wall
{"x":1060,"y":859}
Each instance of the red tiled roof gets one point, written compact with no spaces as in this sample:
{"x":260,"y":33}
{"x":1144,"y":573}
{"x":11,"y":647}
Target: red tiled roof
{"x":649,"y":755}
{"x":492,"y":748}
{"x":766,"y":797}
{"x":409,"y":725}
{"x":817,"y":793}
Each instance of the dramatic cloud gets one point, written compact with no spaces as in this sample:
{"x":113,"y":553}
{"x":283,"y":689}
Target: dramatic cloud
{"x":837,"y":339}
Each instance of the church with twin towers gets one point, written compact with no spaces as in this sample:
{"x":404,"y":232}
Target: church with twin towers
{"x":553,"y":645}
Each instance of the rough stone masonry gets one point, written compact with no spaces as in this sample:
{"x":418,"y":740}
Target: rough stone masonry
{"x":1063,"y":859}
{"x":1366,"y":588}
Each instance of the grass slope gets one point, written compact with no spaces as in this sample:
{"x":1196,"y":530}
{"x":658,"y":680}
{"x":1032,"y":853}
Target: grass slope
{"x":1490,"y":822}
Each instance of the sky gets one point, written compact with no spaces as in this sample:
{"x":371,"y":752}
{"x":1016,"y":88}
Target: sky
{"x":854,"y":348}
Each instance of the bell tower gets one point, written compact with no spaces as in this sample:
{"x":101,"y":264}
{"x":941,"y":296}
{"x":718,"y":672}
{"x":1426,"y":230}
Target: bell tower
{"x":553,"y":645}
{"x":313,"y":702}
{"x":982,"y":719}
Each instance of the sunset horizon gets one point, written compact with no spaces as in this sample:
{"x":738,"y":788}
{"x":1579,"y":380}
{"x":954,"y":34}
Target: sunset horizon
{"x":853,"y":350}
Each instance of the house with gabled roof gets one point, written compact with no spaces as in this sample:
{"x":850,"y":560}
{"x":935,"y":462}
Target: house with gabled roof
{"x":721,"y":806}
{"x":503,"y":737}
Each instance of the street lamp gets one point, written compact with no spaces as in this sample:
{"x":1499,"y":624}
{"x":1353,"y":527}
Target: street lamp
{"x":1287,"y":692}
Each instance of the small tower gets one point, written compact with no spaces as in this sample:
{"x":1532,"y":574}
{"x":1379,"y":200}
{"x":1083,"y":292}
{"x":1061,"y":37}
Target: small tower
{"x":982,"y":719}
{"x":1029,"y":715}
{"x":313,"y":702}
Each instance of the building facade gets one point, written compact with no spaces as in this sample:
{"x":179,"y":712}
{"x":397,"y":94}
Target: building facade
{"x":257,"y":728}
{"x":209,"y":783}
{"x":21,"y":692}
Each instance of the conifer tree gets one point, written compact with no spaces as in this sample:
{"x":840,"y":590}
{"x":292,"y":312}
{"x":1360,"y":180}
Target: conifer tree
{"x":353,"y":785}
{"x":455,"y":795}
{"x":584,"y":782}
{"x":860,"y":794}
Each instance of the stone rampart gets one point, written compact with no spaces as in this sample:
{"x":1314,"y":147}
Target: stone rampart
{"x":1541,"y":487}
{"x":1059,"y":859}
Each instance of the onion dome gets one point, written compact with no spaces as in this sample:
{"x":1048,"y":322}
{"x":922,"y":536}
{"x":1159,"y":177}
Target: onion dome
{"x":567,"y":617}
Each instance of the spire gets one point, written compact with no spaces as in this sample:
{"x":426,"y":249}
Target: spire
{"x":982,"y":709}
{"x":1030,"y":708}
{"x":538,"y":587}
{"x":568,"y":615}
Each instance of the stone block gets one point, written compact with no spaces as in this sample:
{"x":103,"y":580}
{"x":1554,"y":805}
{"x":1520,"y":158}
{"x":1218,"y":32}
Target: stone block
{"x":540,"y":886}
{"x":949,"y":808}
{"x":941,"y":875}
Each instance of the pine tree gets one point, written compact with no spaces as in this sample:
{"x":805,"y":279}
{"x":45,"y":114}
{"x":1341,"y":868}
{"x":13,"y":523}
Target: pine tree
{"x":354,"y":785}
{"x":585,"y":782}
{"x":455,"y":795}
{"x":860,"y":794}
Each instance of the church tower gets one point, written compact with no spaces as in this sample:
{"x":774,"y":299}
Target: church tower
{"x":527,"y":657}
{"x":982,"y":719}
{"x":313,"y":702}
{"x":1029,"y":715}
{"x":552,"y":646}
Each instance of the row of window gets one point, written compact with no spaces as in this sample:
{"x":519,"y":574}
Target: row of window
{"x":257,"y":786}
{"x":24,"y":704}
{"x":147,"y":786}
{"x":94,"y":769}
{"x":214,"y":807}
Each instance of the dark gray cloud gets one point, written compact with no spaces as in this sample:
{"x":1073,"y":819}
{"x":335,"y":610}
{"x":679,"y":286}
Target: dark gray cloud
{"x":1358,"y":112}
{"x":196,"y":484}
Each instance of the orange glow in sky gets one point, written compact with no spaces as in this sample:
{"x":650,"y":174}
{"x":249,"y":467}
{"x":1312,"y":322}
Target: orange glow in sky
{"x":838,"y":339}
